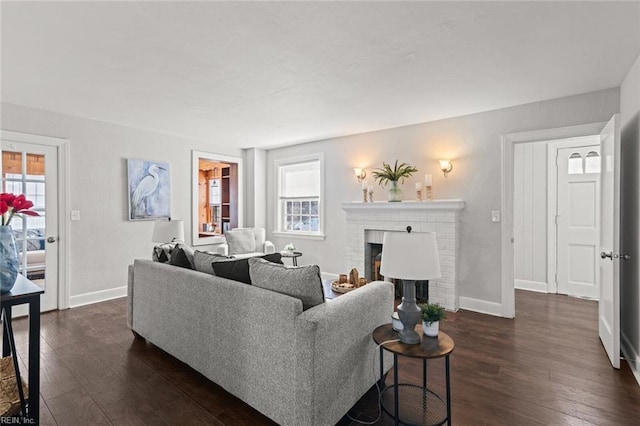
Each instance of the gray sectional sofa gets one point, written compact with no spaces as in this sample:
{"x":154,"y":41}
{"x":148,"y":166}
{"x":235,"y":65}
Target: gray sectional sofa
{"x":296,"y":367}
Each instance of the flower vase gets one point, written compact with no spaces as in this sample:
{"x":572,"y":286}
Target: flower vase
{"x":395,"y":194}
{"x":8,"y":259}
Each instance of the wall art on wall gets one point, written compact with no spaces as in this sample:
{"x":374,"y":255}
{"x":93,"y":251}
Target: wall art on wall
{"x":149,"y":189}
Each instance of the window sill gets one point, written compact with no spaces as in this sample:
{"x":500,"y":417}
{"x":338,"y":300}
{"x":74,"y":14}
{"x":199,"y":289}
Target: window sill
{"x":299,"y":235}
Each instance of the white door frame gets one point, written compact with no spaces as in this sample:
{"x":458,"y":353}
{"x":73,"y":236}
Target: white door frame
{"x":63,"y":203}
{"x":508,"y":142}
{"x":552,"y":201}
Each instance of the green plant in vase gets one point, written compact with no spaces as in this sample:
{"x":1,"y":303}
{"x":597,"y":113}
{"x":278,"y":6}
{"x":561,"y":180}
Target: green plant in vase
{"x":432,"y":314}
{"x":386,"y":174}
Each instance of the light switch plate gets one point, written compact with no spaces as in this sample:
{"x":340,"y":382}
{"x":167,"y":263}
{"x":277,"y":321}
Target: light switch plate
{"x":495,"y":216}
{"x":75,"y":214}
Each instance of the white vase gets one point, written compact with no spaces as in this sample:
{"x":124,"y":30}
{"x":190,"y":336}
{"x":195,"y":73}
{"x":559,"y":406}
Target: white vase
{"x":430,"y":329}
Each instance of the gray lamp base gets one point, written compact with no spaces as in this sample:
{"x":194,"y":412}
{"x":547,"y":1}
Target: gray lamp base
{"x":409,"y":313}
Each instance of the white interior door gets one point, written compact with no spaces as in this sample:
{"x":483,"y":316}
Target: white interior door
{"x":578,"y":221}
{"x":609,"y":306}
{"x":32,"y":170}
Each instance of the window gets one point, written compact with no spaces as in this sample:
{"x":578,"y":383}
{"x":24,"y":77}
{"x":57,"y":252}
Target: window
{"x":575,"y":164}
{"x":300,"y":196}
{"x":592,"y":162}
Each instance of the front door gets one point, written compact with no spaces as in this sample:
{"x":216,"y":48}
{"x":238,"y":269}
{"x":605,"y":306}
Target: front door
{"x":609,"y":304}
{"x":578,"y":221}
{"x":32,"y":170}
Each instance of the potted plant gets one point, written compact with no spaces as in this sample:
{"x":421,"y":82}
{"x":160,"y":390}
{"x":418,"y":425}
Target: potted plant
{"x":432,"y":313}
{"x":397,"y":173}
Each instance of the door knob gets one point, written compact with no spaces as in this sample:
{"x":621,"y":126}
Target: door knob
{"x":51,"y":239}
{"x":625,"y":257}
{"x":604,"y":255}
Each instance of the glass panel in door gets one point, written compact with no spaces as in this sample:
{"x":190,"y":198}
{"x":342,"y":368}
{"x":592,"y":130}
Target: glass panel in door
{"x":31,"y":170}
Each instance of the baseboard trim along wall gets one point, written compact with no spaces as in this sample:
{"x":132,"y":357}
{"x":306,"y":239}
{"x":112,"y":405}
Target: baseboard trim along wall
{"x":481,"y":306}
{"x":629,"y":353}
{"x":97,"y":296}
{"x":540,"y":287}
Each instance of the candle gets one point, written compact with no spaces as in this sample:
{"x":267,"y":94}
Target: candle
{"x":427,"y":180}
{"x":364,"y":184}
{"x":370,"y":188}
{"x":418,"y":186}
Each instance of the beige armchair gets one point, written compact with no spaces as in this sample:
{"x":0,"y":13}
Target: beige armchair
{"x":246,"y":242}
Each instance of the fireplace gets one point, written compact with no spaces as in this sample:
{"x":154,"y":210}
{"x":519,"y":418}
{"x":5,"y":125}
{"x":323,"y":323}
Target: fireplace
{"x":373,"y":259}
{"x":367,"y":223}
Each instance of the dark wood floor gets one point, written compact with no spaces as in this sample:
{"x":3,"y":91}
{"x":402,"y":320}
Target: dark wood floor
{"x":546,"y":367}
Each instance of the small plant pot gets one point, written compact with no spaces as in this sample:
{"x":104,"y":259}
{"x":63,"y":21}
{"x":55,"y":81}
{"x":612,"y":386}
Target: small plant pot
{"x":431,"y":329}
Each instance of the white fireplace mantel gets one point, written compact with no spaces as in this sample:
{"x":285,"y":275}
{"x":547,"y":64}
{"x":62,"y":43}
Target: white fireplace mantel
{"x":453,"y":204}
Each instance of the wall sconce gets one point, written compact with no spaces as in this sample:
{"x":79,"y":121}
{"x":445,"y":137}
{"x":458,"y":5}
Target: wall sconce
{"x":446,"y":167}
{"x":360,"y":174}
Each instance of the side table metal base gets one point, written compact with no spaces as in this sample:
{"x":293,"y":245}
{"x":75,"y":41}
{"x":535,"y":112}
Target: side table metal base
{"x":418,"y":406}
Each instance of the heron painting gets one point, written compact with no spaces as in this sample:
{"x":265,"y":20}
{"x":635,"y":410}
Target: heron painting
{"x":149,"y":191}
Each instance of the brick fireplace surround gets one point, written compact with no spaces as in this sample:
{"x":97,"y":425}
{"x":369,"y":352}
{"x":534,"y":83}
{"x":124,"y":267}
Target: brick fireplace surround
{"x":367,"y":222}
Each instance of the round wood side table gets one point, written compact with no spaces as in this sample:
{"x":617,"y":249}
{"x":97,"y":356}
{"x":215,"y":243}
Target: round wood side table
{"x":411,"y":404}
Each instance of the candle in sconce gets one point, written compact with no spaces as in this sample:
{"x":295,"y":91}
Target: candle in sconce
{"x":427,"y":180}
{"x":370,"y":188}
{"x":418,"y":186}
{"x":364,"y":185}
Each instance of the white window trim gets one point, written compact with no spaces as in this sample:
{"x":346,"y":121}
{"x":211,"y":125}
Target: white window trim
{"x":278,"y":231}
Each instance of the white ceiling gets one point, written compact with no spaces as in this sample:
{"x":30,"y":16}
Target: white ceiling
{"x":264,"y":74}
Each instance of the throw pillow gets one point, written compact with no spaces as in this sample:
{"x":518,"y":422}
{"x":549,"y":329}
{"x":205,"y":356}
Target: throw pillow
{"x":162,"y":253}
{"x":202,"y":261}
{"x":188,"y":251}
{"x":179,"y":258}
{"x":302,"y":282}
{"x":241,"y":241}
{"x":238,"y":269}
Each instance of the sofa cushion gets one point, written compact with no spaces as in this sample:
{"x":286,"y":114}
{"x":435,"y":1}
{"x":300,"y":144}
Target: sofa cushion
{"x":241,"y":241}
{"x":180,"y":258}
{"x":302,"y":282}
{"x":202,"y":261}
{"x":238,"y":269}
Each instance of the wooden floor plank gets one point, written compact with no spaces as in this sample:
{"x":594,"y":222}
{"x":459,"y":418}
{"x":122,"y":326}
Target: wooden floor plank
{"x":545,"y":367}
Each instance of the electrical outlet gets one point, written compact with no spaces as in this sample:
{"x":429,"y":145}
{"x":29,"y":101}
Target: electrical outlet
{"x":75,"y":214}
{"x":495,"y":216}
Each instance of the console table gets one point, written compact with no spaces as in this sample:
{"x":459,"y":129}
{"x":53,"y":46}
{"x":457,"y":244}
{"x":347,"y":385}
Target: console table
{"x":420,"y":405}
{"x":24,"y":291}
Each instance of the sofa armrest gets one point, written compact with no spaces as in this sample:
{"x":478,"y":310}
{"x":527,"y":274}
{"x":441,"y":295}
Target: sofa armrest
{"x":269,"y":247}
{"x":342,"y":350}
{"x":223,"y":249}
{"x":130,"y":297}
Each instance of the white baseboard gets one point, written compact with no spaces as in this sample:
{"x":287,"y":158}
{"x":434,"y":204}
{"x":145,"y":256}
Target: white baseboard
{"x":481,"y":306}
{"x":538,"y":286}
{"x":97,"y":296}
{"x":630,"y":354}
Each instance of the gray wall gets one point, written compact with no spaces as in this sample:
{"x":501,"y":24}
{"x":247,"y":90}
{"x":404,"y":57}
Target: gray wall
{"x":104,"y":242}
{"x":473,"y":143}
{"x":630,"y":220}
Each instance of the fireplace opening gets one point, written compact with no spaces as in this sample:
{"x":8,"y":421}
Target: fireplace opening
{"x":373,"y":260}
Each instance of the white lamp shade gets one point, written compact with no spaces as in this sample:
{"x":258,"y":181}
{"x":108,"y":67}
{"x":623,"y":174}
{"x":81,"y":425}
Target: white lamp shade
{"x":410,"y":256}
{"x":168,"y":231}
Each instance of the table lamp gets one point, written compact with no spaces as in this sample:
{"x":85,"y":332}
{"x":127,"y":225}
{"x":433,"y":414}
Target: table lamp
{"x":168,"y":231}
{"x":410,"y":257}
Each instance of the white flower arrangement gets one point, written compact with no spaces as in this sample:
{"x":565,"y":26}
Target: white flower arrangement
{"x":290,"y":247}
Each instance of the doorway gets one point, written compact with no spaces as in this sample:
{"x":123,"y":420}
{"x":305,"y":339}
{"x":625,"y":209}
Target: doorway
{"x":30,"y":165}
{"x":556,"y":216}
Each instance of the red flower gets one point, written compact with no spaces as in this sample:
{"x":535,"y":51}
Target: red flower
{"x":14,"y":205}
{"x":7,"y":198}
